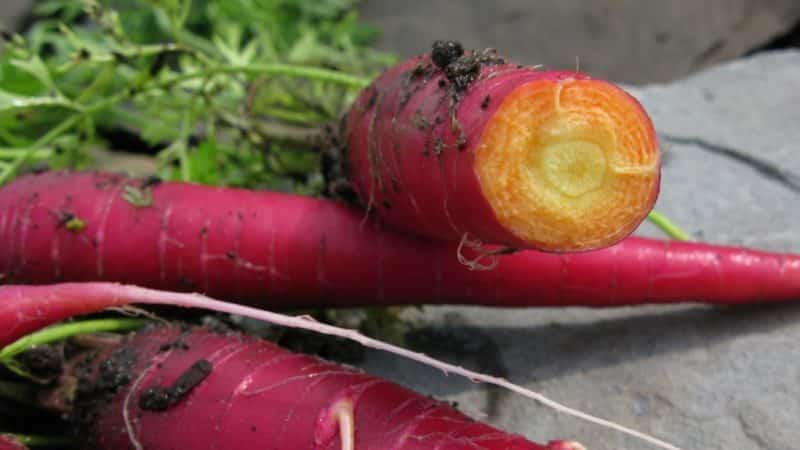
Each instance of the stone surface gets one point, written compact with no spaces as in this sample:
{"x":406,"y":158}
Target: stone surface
{"x":12,"y":11}
{"x":701,"y":378}
{"x":633,"y":41}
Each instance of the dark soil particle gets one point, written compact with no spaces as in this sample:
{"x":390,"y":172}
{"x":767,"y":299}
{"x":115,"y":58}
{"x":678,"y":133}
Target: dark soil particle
{"x":459,"y":68}
{"x":155,"y":399}
{"x":462,"y":73}
{"x":217,"y":324}
{"x":43,"y":361}
{"x":177,"y":344}
{"x":417,"y":72}
{"x":115,"y":371}
{"x":414,"y":80}
{"x":485,"y":102}
{"x":193,"y":376}
{"x":373,"y":97}
{"x":160,"y":399}
{"x":419,"y":121}
{"x":333,"y":161}
{"x":445,"y":52}
{"x":464,"y":70}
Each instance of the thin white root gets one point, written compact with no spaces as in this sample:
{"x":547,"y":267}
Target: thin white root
{"x":126,"y":416}
{"x":478,"y":247}
{"x":135,"y":294}
{"x":343,"y":411}
{"x":475,"y":263}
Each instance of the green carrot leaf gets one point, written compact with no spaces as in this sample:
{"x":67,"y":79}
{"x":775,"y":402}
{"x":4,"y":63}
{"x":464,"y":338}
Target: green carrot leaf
{"x":10,"y":102}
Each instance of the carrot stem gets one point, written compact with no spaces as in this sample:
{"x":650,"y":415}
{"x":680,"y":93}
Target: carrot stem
{"x":66,"y":330}
{"x":311,"y":73}
{"x":669,"y":227}
{"x":11,"y":170}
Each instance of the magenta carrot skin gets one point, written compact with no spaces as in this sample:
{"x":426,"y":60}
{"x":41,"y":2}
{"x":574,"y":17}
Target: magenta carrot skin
{"x":8,"y":442}
{"x":25,"y":309}
{"x":257,"y":395}
{"x":422,"y":180}
{"x":283,"y":251}
{"x":413,"y":139}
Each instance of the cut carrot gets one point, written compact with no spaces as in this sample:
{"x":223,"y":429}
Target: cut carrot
{"x":457,"y":145}
{"x":569,"y":163}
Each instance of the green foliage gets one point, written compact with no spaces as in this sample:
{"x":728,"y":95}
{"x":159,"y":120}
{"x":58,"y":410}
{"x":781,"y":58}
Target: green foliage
{"x":207,"y":81}
{"x":58,"y":333}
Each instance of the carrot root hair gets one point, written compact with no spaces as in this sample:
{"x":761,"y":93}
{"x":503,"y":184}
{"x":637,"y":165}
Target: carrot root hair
{"x":99,"y":295}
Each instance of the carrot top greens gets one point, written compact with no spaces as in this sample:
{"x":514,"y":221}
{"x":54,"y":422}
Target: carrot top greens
{"x":228,"y":92}
{"x":222,"y":92}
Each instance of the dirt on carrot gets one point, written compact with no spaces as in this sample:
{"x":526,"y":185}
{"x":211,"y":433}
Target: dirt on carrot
{"x":454,"y":144}
{"x":229,"y":390}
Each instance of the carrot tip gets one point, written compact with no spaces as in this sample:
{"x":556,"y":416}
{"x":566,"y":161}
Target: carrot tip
{"x":565,"y":445}
{"x":569,"y":164}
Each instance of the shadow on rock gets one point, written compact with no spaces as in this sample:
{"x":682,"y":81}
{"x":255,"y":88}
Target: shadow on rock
{"x":549,"y":351}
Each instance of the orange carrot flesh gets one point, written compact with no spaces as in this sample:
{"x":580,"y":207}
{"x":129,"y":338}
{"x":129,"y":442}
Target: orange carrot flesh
{"x":569,"y":163}
{"x":478,"y":146}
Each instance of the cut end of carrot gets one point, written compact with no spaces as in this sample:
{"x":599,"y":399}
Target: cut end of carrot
{"x":570,"y":164}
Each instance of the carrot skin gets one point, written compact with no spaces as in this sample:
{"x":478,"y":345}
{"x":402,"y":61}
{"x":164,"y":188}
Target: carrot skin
{"x":405,"y":160}
{"x":283,"y":251}
{"x":8,"y":442}
{"x":25,"y":309}
{"x":258,"y":394}
{"x":412,"y":139}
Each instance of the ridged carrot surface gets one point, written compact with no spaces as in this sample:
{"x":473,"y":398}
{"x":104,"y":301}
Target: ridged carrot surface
{"x":176,"y":389}
{"x":284,"y":251}
{"x":448,"y":144}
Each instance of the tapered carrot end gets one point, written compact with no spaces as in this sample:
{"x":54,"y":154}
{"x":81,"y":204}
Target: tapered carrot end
{"x":564,"y":445}
{"x":569,"y":164}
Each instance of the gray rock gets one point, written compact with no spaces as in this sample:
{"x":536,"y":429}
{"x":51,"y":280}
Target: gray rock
{"x":730,"y":135}
{"x":12,"y":11}
{"x":701,"y":378}
{"x":634,"y":41}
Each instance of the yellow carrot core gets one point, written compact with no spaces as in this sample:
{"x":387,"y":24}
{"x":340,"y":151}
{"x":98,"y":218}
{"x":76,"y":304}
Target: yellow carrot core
{"x":569,"y":164}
